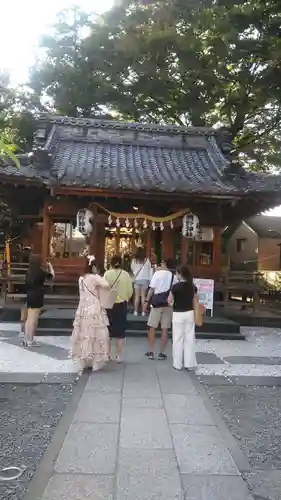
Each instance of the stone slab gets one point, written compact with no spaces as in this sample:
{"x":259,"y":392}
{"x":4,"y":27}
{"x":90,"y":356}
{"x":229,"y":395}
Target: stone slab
{"x":175,"y":382}
{"x":84,"y":487}
{"x":208,"y":358}
{"x":60,"y":378}
{"x":146,"y":428}
{"x":99,"y":408}
{"x":148,"y":475}
{"x":89,"y":449}
{"x":48,"y":350}
{"x":263,"y":381}
{"x":215,"y":488}
{"x":21,"y":378}
{"x":142,"y":403}
{"x":214,"y":380}
{"x":265,"y":484}
{"x":200,"y":450}
{"x":186,"y":409}
{"x":141,"y":388}
{"x":105,"y":382}
{"x":253,"y":360}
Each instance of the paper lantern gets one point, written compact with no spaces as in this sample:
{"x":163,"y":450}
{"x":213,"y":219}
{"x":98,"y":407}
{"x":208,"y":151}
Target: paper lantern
{"x":84,"y":221}
{"x":190,"y":226}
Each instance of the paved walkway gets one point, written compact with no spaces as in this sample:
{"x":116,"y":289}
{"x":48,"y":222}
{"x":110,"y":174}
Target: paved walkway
{"x":141,"y":432}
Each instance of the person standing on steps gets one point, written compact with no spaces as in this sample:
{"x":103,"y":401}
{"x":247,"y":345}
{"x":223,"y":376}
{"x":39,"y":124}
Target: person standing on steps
{"x":160,"y":312}
{"x":182,"y":297}
{"x":34,"y":284}
{"x":120,"y":281}
{"x":142,"y":273}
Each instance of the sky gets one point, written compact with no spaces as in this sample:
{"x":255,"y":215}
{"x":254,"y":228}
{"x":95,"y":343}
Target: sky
{"x":22,"y":24}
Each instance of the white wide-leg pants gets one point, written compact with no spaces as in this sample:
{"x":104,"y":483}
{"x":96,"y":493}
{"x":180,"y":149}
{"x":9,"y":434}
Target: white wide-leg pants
{"x":184,"y":340}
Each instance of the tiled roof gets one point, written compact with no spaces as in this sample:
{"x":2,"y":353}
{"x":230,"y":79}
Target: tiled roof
{"x":136,"y":157}
{"x":138,"y":167}
{"x":265,"y":226}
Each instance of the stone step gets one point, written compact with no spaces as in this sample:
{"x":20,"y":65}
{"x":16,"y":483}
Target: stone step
{"x":143,"y":333}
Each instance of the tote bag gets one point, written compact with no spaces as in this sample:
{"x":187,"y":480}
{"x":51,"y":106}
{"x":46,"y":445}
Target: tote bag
{"x":199,"y":311}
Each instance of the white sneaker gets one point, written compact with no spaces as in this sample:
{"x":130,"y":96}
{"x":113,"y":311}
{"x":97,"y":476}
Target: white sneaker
{"x":143,"y":314}
{"x":135,"y":313}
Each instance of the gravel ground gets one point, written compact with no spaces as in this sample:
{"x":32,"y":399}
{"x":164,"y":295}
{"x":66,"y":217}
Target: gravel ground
{"x":29,"y":415}
{"x":253,"y":416}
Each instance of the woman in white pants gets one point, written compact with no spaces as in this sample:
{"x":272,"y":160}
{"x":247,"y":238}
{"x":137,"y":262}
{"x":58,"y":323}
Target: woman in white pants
{"x":181,"y":297}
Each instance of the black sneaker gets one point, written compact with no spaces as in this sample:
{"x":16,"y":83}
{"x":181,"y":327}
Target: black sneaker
{"x":162,"y":356}
{"x":150,"y":355}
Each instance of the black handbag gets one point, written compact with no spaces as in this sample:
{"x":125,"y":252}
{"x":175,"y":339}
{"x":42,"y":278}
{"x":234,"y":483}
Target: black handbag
{"x":161,"y":299}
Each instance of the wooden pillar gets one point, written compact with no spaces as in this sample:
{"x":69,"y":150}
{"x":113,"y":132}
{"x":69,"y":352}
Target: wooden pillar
{"x":93,"y":237}
{"x":167,"y":243}
{"x":117,"y":241}
{"x":100,"y":246}
{"x":184,"y":248}
{"x":217,"y":249}
{"x":45,"y":233}
{"x":148,"y":243}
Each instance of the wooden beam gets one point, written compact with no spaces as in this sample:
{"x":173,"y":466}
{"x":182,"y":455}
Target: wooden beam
{"x":148,"y":195}
{"x":45,"y":233}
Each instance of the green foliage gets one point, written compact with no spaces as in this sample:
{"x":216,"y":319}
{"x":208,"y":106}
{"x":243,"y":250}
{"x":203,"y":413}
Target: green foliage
{"x":6,"y":151}
{"x":173,"y":61}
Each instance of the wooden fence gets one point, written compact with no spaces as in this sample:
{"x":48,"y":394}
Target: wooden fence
{"x":247,"y":287}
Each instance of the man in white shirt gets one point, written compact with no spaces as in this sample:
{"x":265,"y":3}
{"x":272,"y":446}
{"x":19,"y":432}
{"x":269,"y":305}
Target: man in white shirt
{"x":162,"y":281}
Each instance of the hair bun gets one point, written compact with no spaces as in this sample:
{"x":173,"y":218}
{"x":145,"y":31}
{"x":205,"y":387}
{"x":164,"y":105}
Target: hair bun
{"x":91,"y":259}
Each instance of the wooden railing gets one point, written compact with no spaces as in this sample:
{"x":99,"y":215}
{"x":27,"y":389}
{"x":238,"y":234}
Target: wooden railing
{"x":65,"y":285}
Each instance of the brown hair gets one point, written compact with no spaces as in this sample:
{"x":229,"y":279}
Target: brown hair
{"x":116,"y":261}
{"x":185,"y":273}
{"x":140,"y":254}
{"x":88,"y":266}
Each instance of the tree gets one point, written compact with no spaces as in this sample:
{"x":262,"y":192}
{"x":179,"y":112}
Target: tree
{"x":216,"y":65}
{"x":62,"y":75}
{"x":174,"y":61}
{"x":18,"y":110}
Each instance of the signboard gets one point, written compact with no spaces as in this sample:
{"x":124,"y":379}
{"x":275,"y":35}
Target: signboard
{"x":205,"y":290}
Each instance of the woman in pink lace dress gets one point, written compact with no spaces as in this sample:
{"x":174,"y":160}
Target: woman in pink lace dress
{"x":90,"y":341}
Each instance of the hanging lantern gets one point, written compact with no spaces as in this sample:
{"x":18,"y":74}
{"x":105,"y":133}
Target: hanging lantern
{"x":84,"y":221}
{"x":109,"y":220}
{"x":161,"y":226}
{"x":153,"y":225}
{"x":117,"y":222}
{"x":145,"y":223}
{"x":127,"y":222}
{"x":172,"y":224}
{"x":190,"y":226}
{"x":89,"y":218}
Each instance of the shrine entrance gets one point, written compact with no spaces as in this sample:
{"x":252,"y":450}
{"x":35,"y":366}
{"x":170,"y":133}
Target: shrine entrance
{"x":122,"y":241}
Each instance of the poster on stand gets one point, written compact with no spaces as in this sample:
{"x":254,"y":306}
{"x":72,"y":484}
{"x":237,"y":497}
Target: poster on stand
{"x":205,"y":290}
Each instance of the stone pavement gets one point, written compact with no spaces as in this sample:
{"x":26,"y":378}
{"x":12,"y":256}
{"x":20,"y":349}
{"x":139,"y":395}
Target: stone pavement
{"x":141,"y":431}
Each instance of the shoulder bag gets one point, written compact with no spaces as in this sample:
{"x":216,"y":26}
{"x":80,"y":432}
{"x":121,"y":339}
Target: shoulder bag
{"x":199,"y":311}
{"x":161,"y":299}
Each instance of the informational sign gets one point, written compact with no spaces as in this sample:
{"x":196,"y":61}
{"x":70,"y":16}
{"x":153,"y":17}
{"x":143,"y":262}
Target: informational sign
{"x":205,"y":290}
